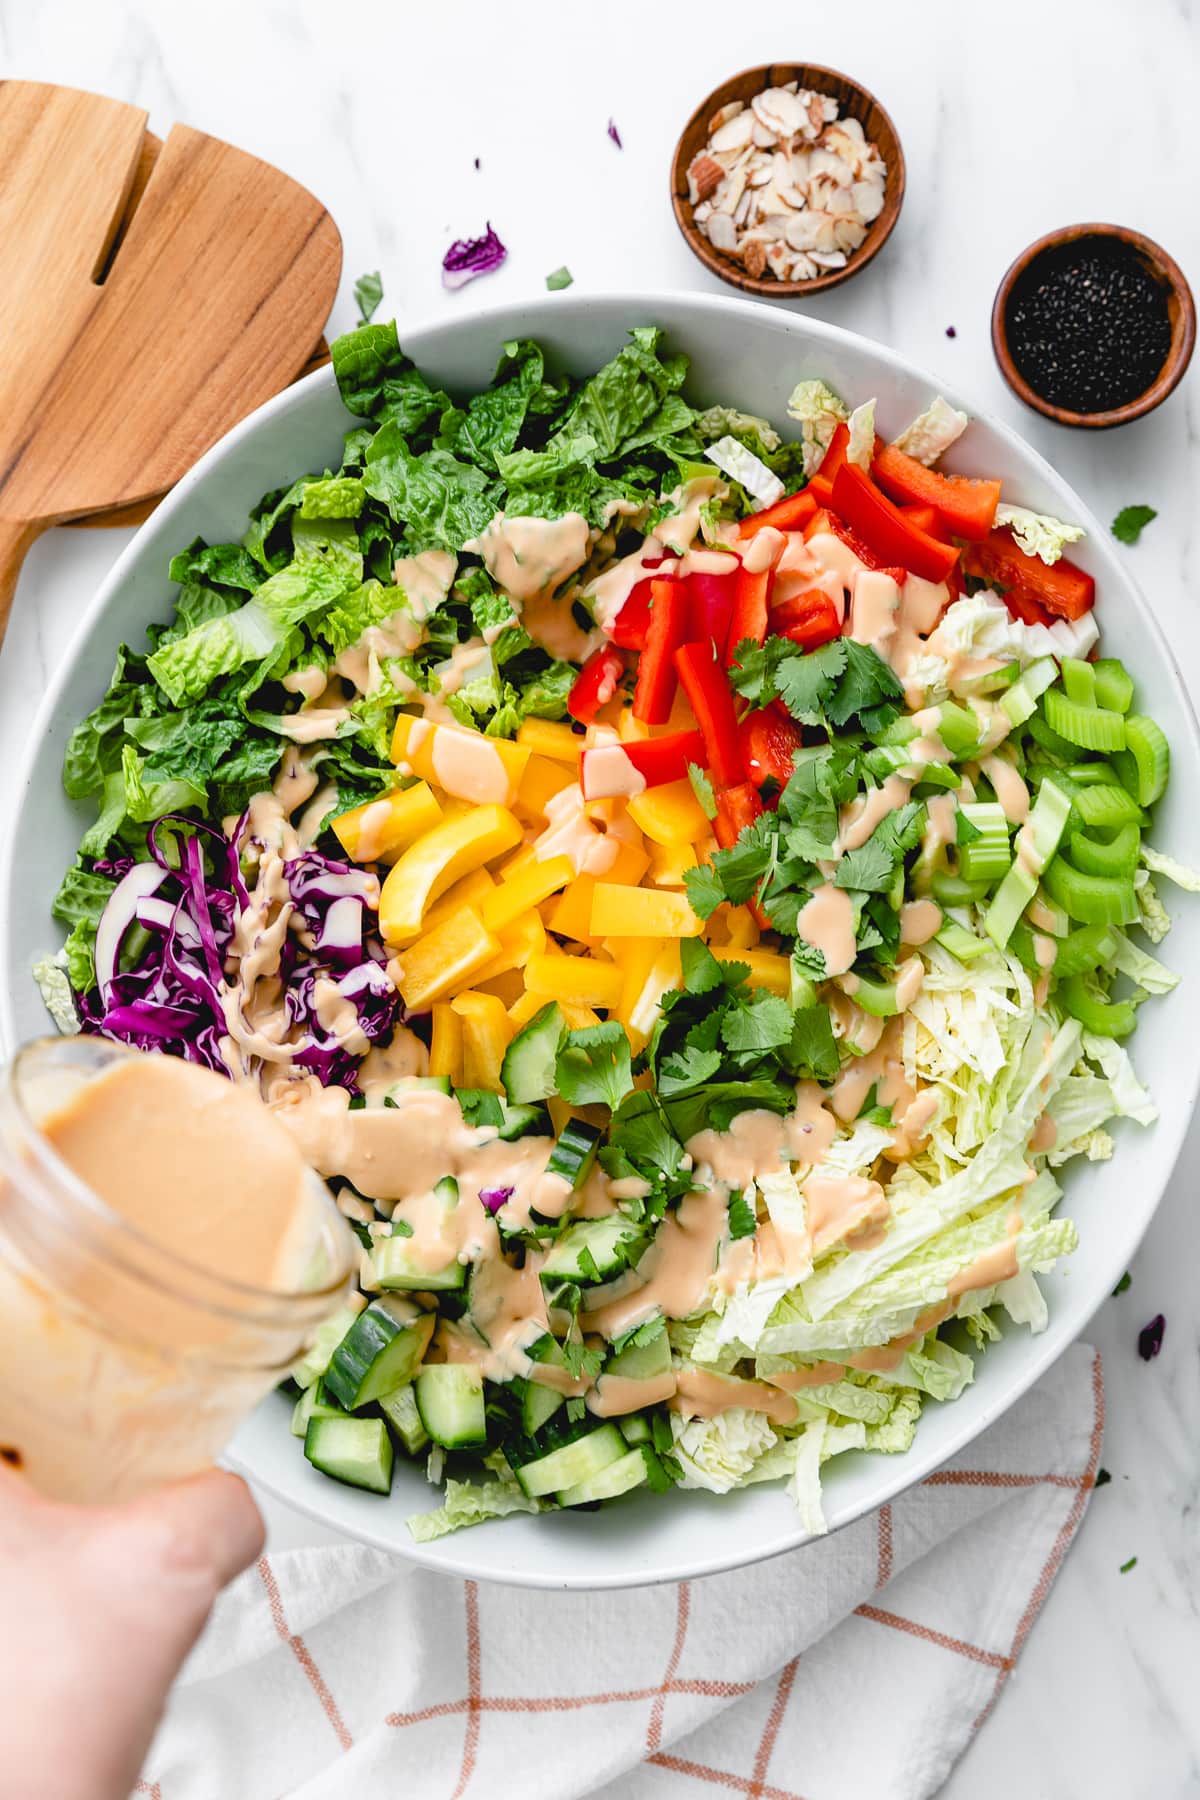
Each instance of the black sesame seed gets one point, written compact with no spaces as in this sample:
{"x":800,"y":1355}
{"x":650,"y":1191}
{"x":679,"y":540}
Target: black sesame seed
{"x":1088,"y":326}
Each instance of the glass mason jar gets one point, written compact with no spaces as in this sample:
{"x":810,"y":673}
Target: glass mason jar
{"x":125,"y":1365}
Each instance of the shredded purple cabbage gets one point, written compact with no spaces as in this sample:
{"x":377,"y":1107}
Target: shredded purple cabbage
{"x":494,"y":1198}
{"x":615,"y":135}
{"x":469,"y":257}
{"x":173,"y":998}
{"x":1150,"y":1338}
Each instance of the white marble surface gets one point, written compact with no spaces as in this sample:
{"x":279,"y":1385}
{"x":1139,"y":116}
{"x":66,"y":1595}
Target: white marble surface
{"x":1013,"y":120}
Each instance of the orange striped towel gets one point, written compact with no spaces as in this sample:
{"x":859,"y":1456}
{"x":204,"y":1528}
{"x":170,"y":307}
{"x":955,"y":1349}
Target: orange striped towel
{"x":858,"y":1664}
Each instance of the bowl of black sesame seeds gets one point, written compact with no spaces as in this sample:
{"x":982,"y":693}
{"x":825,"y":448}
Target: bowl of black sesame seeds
{"x":1094,"y":325}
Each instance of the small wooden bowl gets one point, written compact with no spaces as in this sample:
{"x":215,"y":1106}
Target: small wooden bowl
{"x":1181,"y":311}
{"x":853,"y":102}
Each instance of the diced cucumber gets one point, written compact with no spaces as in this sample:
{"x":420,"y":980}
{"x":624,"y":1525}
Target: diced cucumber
{"x":356,"y":1451}
{"x":312,"y":1404}
{"x":381,"y":1352}
{"x":400,"y":1411}
{"x":528,"y":1067}
{"x":451,"y":1404}
{"x":635,"y":1428}
{"x":396,"y":1265}
{"x":409,"y":1086}
{"x":538,"y":1400}
{"x":517,"y":1120}
{"x":630,"y":1471}
{"x":575,"y":1152}
{"x":643,"y":1361}
{"x":329,"y":1333}
{"x":581,"y":1460}
{"x":594,"y":1250}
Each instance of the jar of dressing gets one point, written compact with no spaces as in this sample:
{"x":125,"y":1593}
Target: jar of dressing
{"x":165,"y":1255}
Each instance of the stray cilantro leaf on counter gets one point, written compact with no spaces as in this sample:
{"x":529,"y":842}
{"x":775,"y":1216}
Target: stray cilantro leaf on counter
{"x":1131,"y":521}
{"x":1150,"y":1338}
{"x":368,"y":292}
{"x":593,"y":1066}
{"x":559,"y":278}
{"x":1126,"y":1566}
{"x":1102,"y":1478}
{"x":1125,"y":1282}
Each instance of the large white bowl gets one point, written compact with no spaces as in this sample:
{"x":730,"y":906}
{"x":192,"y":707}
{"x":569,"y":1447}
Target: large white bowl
{"x":748,"y":355}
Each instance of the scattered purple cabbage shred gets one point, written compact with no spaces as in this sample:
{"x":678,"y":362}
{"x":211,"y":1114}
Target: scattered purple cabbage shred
{"x":468,"y":257}
{"x":494,"y":1198}
{"x":615,"y":135}
{"x":1150,"y":1338}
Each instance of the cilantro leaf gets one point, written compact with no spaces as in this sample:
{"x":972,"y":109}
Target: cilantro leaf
{"x":1130,"y":522}
{"x":702,"y":971}
{"x":686,"y":1069}
{"x":704,"y":889}
{"x":742,"y":1220}
{"x":807,"y":682}
{"x":702,"y":787}
{"x":812,"y":1049}
{"x":640,"y":1128}
{"x":870,"y":868}
{"x":713,"y":1106}
{"x":594,"y":1066}
{"x":868,"y":681}
{"x":761,"y":1022}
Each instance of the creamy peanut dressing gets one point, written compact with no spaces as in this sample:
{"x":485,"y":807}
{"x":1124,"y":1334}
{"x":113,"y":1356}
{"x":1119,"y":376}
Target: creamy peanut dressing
{"x":528,"y":557}
{"x":312,"y":724}
{"x":764,"y":549}
{"x":677,"y":1270}
{"x":614,"y":1395}
{"x":920,"y":920}
{"x":466,"y":764}
{"x":826,"y":923}
{"x":610,"y":770}
{"x":860,"y":817}
{"x":606,"y":594}
{"x":589,"y":834}
{"x":1011,"y":791}
{"x":679,"y":530}
{"x":842,"y":1207}
{"x":425,"y":580}
{"x":700,"y":1394}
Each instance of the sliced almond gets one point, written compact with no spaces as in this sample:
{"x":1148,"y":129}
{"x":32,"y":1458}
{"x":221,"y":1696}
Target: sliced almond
{"x":722,"y":232}
{"x":779,"y":111}
{"x":735,"y":134}
{"x":754,"y":256}
{"x":828,"y":259}
{"x":868,"y":199}
{"x":705,"y":175}
{"x":723,"y":114}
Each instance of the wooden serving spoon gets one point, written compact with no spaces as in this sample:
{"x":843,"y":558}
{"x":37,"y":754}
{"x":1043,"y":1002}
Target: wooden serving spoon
{"x":150,"y":297}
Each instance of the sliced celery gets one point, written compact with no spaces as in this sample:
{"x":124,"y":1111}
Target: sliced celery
{"x":984,"y":855}
{"x":875,"y":997}
{"x":1118,"y":857}
{"x":1090,"y":774}
{"x":953,"y":890}
{"x":1107,"y":806}
{"x":1114,"y":684}
{"x":1091,"y":727}
{"x":960,"y":942}
{"x":1079,"y":681}
{"x":1106,"y":1018}
{"x":1037,"y":841}
{"x":1146,"y":742}
{"x":1049,"y":740}
{"x":958,"y":728}
{"x":1087,"y":947}
{"x":993,"y":681}
{"x":1022,"y":697}
{"x":1092,"y":899}
{"x":1012,"y":897}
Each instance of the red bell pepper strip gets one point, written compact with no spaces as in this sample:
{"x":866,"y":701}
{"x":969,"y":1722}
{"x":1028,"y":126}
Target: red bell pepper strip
{"x":710,"y":604}
{"x":825,"y":521}
{"x":968,"y":507}
{"x":596,"y":683}
{"x":1062,"y":587}
{"x":631,"y":624}
{"x":752,"y":593}
{"x":708,"y":689}
{"x":820,"y":485}
{"x":737,"y":807}
{"x":1030,"y":612}
{"x":884,"y":527}
{"x":925,"y":518}
{"x":808,"y":619}
{"x":611,"y":769}
{"x":788,"y":514}
{"x":769,"y":742}
{"x":656,"y":676}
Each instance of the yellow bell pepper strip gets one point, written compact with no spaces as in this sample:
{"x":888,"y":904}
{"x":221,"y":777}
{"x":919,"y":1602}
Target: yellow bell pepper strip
{"x":571,"y":916}
{"x":532,"y":884}
{"x":741,"y":927}
{"x":670,"y":814}
{"x":444,"y":959}
{"x":579,"y":978}
{"x":472,"y":890}
{"x":577,"y":1015}
{"x":668,"y":863}
{"x":436,"y":861}
{"x":520,"y":859}
{"x":484,"y":770}
{"x":542,"y":779}
{"x":774,"y":973}
{"x":629,"y":865}
{"x":445,"y":1044}
{"x":487,"y":1033}
{"x":380,"y":829}
{"x":548,"y":737}
{"x":641,"y":912}
{"x":509,"y":986}
{"x":640,"y":1014}
{"x":521,"y":941}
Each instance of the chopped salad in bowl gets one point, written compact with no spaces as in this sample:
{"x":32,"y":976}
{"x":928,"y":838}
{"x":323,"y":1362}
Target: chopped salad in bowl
{"x":684,"y":887}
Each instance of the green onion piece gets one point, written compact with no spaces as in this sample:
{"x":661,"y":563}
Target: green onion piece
{"x":1147,"y":743}
{"x":1022,"y":697}
{"x":1107,"y":806}
{"x":960,"y":942}
{"x":1091,"y":727}
{"x":1106,"y":1018}
{"x":1092,"y":899}
{"x":1117,"y":857}
{"x":1086,"y":948}
{"x":1114,"y":684}
{"x":1079,"y":681}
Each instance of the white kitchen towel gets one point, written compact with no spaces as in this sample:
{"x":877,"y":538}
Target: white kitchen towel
{"x":857,"y":1665}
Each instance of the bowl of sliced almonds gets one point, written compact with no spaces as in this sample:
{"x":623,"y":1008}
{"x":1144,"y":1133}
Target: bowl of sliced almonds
{"x":787,"y":179}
